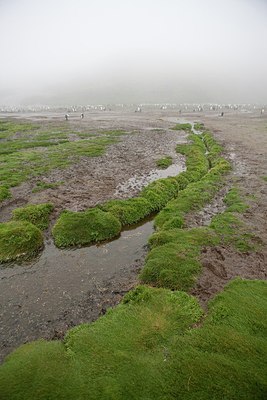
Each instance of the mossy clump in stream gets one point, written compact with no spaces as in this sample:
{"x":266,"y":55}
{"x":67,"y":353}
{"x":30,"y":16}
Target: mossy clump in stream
{"x":37,"y":214}
{"x":19,"y":240}
{"x":83,"y":228}
{"x":159,"y":192}
{"x":164,"y":162}
{"x":151,"y":335}
{"x":128,"y":211}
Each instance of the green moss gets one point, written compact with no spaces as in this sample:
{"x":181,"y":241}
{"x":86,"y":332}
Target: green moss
{"x":150,"y":335}
{"x":164,"y":162}
{"x":264,"y":178}
{"x":234,"y":202}
{"x":197,"y":163}
{"x":193,"y":197}
{"x":173,"y":261}
{"x":37,"y":214}
{"x":182,"y":127}
{"x":159,"y":192}
{"x":199,"y":126}
{"x":83,"y":228}
{"x":128,"y":211}
{"x":232,"y":231}
{"x":4,"y":193}
{"x":19,"y":239}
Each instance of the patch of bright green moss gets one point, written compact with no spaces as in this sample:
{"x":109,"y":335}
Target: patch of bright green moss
{"x":37,"y":214}
{"x":84,"y":228}
{"x":128,"y":211}
{"x":173,"y":261}
{"x":19,"y":239}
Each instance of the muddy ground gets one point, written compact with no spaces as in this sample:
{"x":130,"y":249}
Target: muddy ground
{"x":64,"y":288}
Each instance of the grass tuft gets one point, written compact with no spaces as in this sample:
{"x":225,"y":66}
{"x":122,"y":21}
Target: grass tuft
{"x":4,"y":193}
{"x":37,"y":214}
{"x":164,"y":162}
{"x":182,"y":127}
{"x":19,"y":239}
{"x":84,"y":228}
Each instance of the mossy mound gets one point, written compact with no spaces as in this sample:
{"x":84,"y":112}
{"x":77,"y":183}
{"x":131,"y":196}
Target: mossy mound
{"x":83,"y":228}
{"x":128,"y":211}
{"x":37,"y":214}
{"x":19,"y":239}
{"x":173,"y":261}
{"x":159,"y":192}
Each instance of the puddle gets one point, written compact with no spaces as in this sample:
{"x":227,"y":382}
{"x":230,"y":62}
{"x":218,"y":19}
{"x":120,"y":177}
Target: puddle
{"x":67,"y":287}
{"x":138,"y":182}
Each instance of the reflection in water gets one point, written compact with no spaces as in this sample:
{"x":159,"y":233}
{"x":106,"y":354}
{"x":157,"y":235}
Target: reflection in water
{"x":139,"y":182}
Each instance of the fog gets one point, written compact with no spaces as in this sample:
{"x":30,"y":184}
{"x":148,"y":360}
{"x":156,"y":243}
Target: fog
{"x":84,"y":52}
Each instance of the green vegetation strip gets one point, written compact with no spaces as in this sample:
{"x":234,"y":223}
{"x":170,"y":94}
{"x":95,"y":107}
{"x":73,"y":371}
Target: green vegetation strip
{"x":183,"y":127}
{"x":19,"y":240}
{"x":173,"y":261}
{"x":146,"y":348}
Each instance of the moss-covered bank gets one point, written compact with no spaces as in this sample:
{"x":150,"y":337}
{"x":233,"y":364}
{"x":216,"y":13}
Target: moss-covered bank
{"x":147,"y":348}
{"x":19,"y":239}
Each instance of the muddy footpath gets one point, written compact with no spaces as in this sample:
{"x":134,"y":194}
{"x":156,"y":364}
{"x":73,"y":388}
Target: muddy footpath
{"x":63,"y":288}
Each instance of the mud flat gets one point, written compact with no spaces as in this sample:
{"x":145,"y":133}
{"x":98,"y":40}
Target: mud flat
{"x":64,"y":288}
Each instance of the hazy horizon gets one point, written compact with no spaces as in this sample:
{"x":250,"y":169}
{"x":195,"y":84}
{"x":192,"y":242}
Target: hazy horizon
{"x":83,"y":52}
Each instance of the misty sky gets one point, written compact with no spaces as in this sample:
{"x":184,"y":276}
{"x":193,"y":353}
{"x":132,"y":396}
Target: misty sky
{"x":104,"y":51}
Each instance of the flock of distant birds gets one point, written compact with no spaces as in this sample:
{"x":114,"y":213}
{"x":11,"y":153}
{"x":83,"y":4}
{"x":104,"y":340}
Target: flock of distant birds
{"x":181,"y":108}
